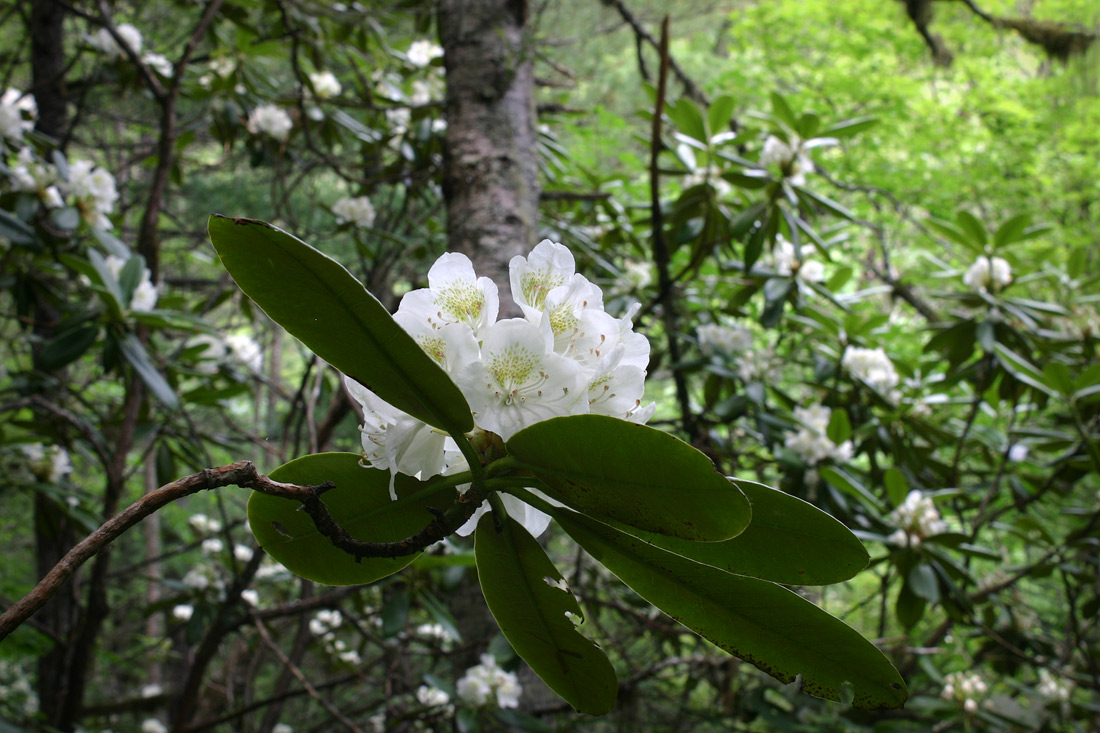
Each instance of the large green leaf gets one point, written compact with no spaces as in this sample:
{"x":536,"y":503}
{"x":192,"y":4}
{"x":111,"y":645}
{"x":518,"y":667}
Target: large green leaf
{"x":314,"y":298}
{"x":633,"y":474}
{"x":360,"y":504}
{"x":516,"y":579}
{"x":760,"y":622}
{"x":788,"y":541}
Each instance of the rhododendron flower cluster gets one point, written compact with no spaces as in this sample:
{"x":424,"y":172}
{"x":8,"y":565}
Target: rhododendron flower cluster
{"x":325,"y":84}
{"x":788,"y":260}
{"x":565,"y":356}
{"x":268,"y":119}
{"x":791,"y":159}
{"x":987,"y":271}
{"x":145,"y":295}
{"x":811,"y":442}
{"x":873,"y":366}
{"x":964,"y":688}
{"x":358,"y":211}
{"x":487,"y":682}
{"x":916,"y":518}
{"x":106,"y":43}
{"x":17,"y":114}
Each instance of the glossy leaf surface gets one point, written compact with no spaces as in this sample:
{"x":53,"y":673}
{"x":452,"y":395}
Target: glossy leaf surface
{"x":760,"y":622}
{"x":516,"y":577}
{"x":632,"y":474}
{"x":318,"y":301}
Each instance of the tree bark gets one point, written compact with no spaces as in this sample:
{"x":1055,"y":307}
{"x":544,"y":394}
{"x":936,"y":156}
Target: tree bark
{"x":490,"y":177}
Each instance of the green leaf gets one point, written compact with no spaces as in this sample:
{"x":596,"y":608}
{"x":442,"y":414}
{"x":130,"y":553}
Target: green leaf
{"x":322,"y":304}
{"x":788,"y":541}
{"x":954,"y":233}
{"x":847,"y":128}
{"x":68,"y":346}
{"x":688,"y":118}
{"x":134,"y":352}
{"x":1021,"y":369}
{"x":1011,"y":230}
{"x":840,"y":427}
{"x":66,"y":218}
{"x":782,"y":111}
{"x":922,"y":581}
{"x":15,"y":229}
{"x":897,"y":488}
{"x":828,"y":204}
{"x":760,"y":622}
{"x":632,"y":474}
{"x":972,"y":226}
{"x":719,"y":114}
{"x":516,"y":579}
{"x":850,"y":485}
{"x":360,"y":504}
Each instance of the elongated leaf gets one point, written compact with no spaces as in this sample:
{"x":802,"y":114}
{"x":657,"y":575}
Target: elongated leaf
{"x":719,"y":114}
{"x":827,"y":203}
{"x":133,"y":351}
{"x":633,"y":474}
{"x":971,"y":225}
{"x":1011,"y":229}
{"x":68,"y":346}
{"x":788,"y":541}
{"x":322,"y":304}
{"x":847,"y":128}
{"x":360,"y":504}
{"x":760,"y":622}
{"x":516,"y":578}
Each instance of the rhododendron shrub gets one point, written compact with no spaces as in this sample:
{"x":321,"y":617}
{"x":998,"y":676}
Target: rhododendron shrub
{"x":473,"y":423}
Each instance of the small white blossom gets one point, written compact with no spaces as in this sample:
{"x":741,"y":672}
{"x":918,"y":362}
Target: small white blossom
{"x":872,"y":366}
{"x":183,"y":612}
{"x":106,"y":43}
{"x":18,"y":112}
{"x":158,"y":62}
{"x":271,"y":120}
{"x":964,"y":689}
{"x":916,"y":519}
{"x":1053,"y":687}
{"x":421,"y":53}
{"x":197,"y":579}
{"x":786,"y":261}
{"x":988,"y":271}
{"x":49,"y":465}
{"x":251,"y":596}
{"x":325,"y":85}
{"x":152,"y":725}
{"x":432,"y":696}
{"x":145,"y":295}
{"x":324,"y":621}
{"x":151,"y":690}
{"x":204,"y":524}
{"x":358,"y":211}
{"x":245,"y":350}
{"x":729,"y":340}
{"x":94,"y":191}
{"x":487,"y":682}
{"x":811,"y":442}
{"x":398,"y":119}
{"x":32,"y":174}
{"x":243,"y":553}
{"x":282,"y":728}
{"x":1018,"y":452}
{"x":212,"y":546}
{"x":792,"y":160}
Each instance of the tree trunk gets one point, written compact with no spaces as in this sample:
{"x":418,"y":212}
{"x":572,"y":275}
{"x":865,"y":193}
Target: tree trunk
{"x":490,"y":177}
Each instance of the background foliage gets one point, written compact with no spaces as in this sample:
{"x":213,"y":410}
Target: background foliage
{"x":918,"y":170}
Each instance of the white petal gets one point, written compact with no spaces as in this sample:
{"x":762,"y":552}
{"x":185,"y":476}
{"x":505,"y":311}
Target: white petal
{"x":548,"y":266}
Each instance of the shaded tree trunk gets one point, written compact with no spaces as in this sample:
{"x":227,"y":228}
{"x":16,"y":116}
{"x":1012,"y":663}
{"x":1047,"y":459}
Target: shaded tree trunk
{"x":490,"y":175}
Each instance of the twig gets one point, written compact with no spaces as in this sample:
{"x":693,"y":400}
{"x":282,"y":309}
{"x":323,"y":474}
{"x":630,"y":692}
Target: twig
{"x":266,"y":636}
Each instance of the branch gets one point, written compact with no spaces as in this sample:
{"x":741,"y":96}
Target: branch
{"x":243,"y":474}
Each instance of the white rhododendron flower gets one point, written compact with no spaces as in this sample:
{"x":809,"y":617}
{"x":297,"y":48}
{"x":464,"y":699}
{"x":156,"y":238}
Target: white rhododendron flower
{"x":282,"y":728}
{"x":786,"y":260}
{"x":204,"y":524}
{"x":431,"y":696}
{"x":566,"y":356}
{"x":158,"y":62}
{"x":325,"y":85}
{"x":966,"y":689}
{"x":145,"y":294}
{"x":48,"y":465}
{"x":32,"y":174}
{"x":245,"y":350}
{"x":152,"y":725}
{"x":358,"y":211}
{"x":916,"y":519}
{"x":731,"y":340}
{"x":271,"y":120}
{"x":811,"y":442}
{"x":93,"y":190}
{"x":792,"y":160}
{"x":1053,"y":687}
{"x":421,"y":53}
{"x":151,"y":690}
{"x":987,"y":271}
{"x":183,"y":612}
{"x":325,"y":621}
{"x":212,"y":546}
{"x":487,"y":682}
{"x":251,"y":596}
{"x":873,"y":366}
{"x":106,"y":43}
{"x":17,"y":114}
